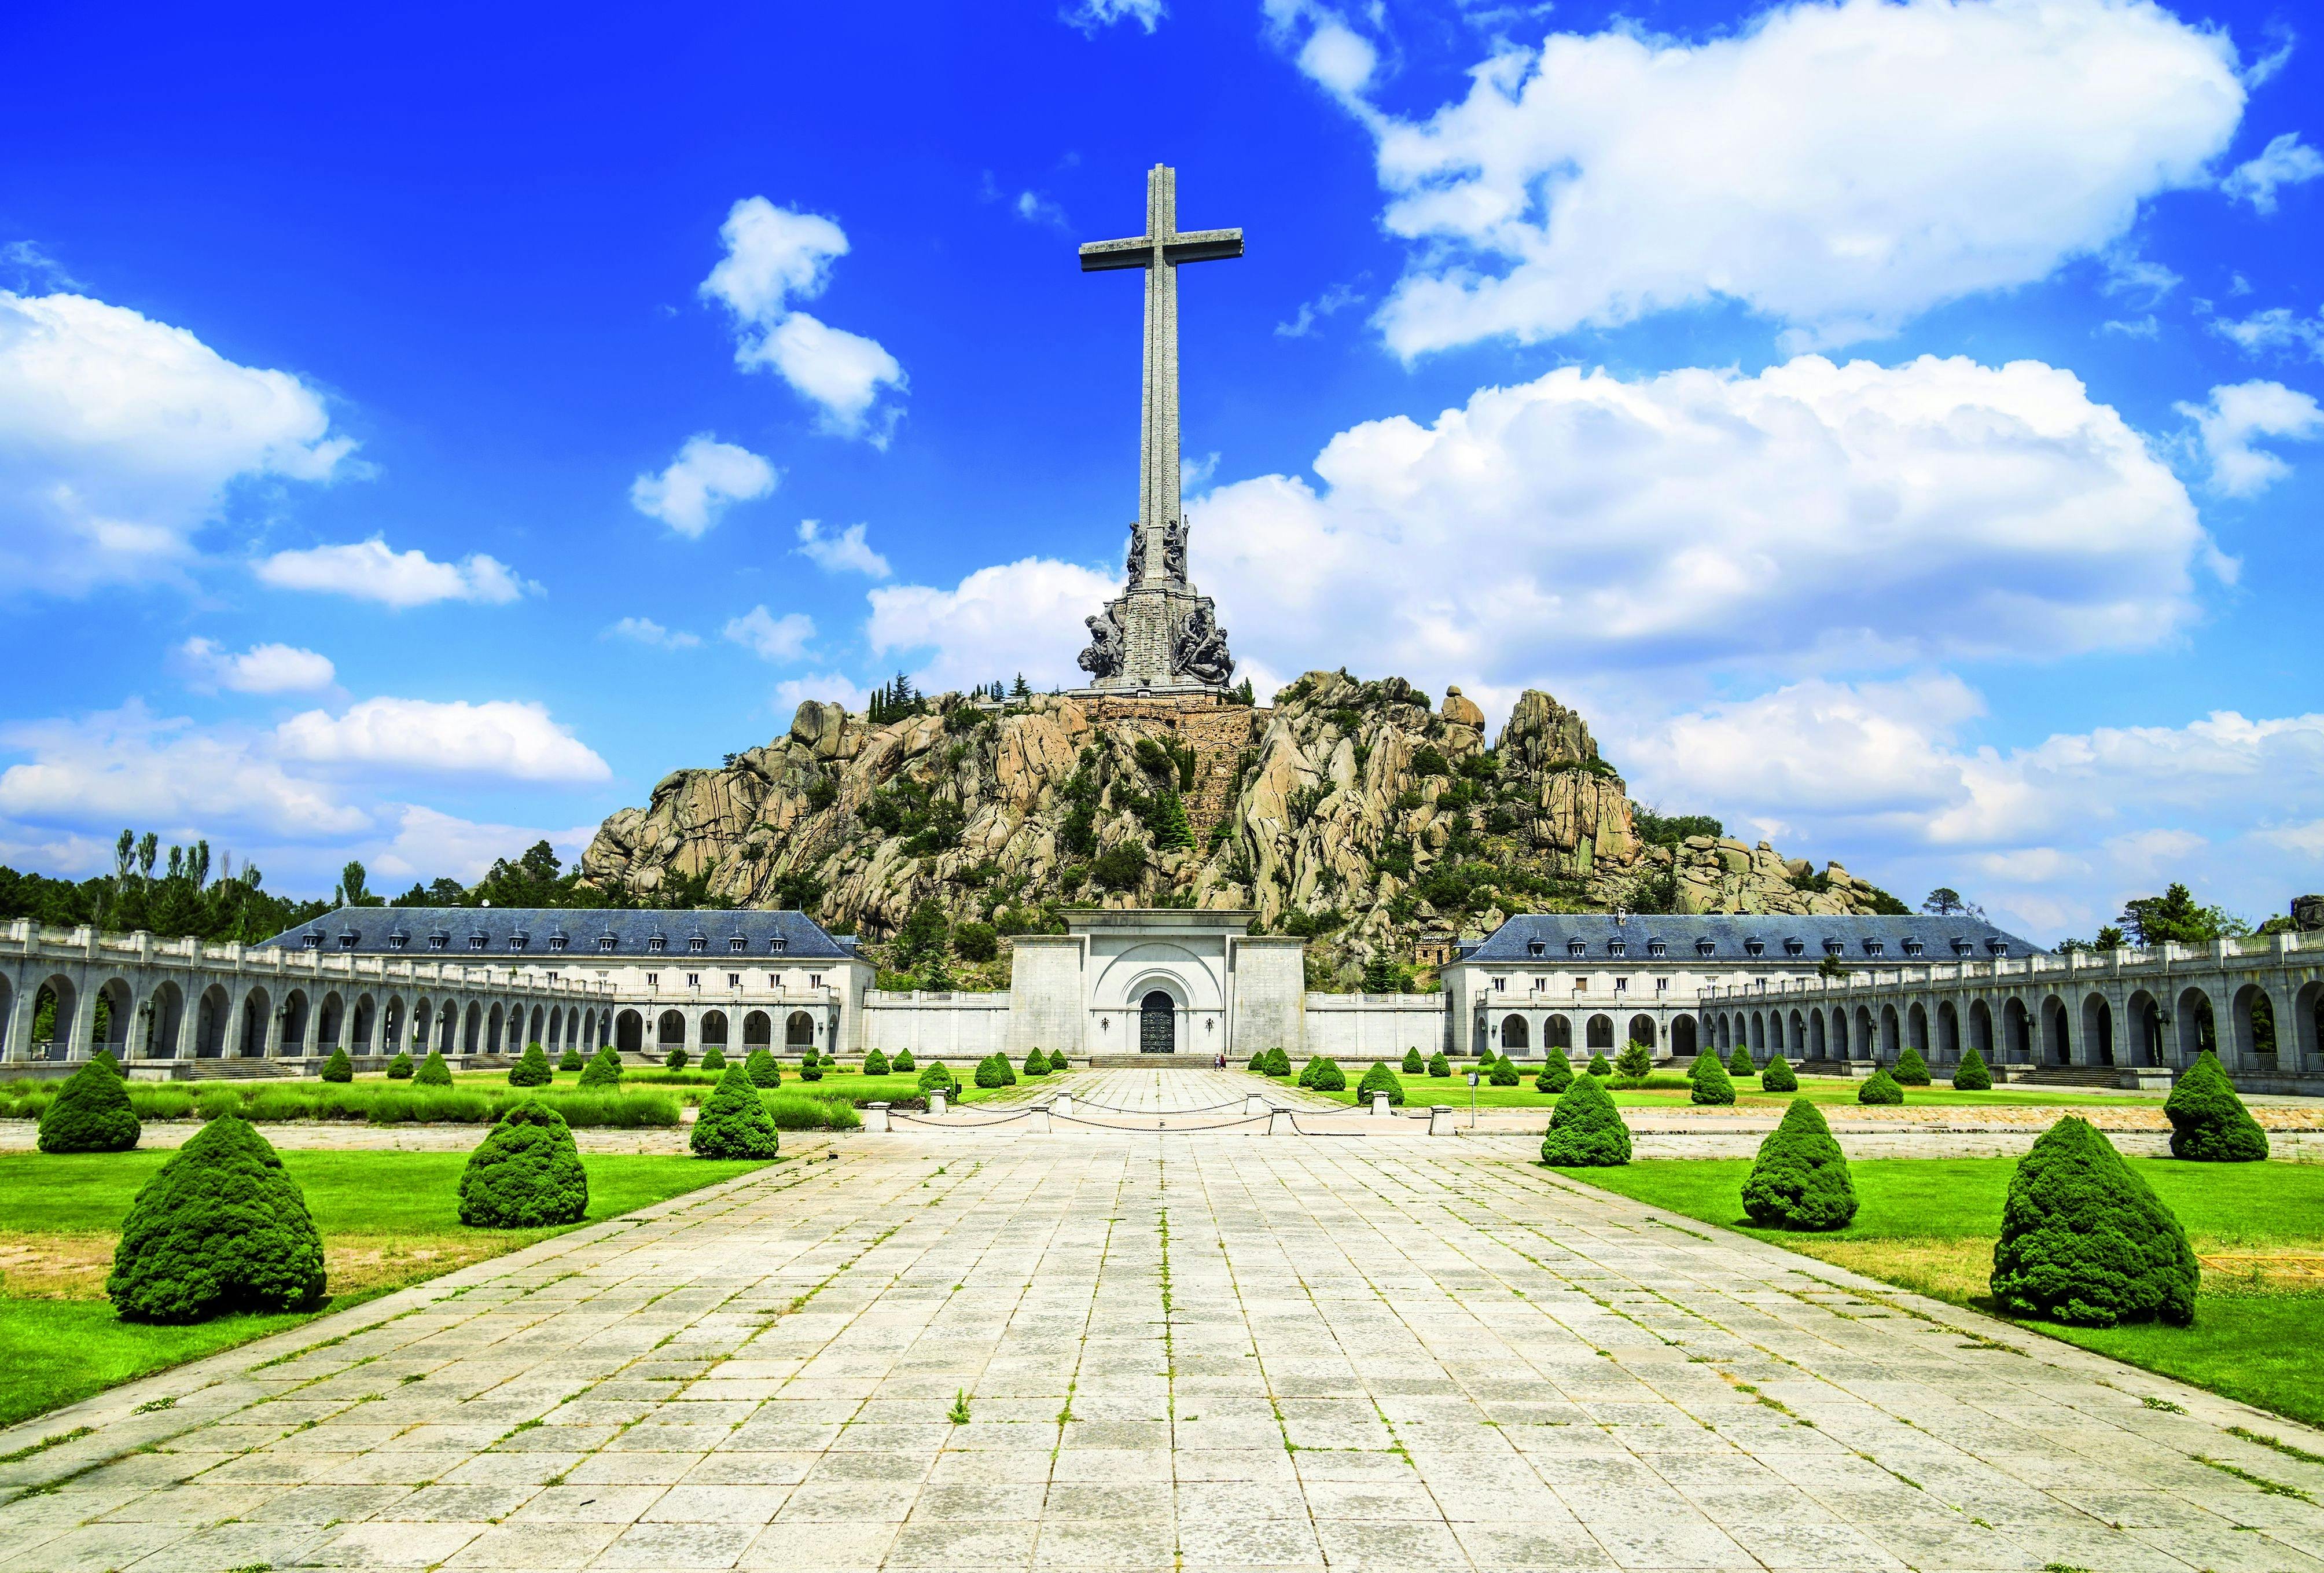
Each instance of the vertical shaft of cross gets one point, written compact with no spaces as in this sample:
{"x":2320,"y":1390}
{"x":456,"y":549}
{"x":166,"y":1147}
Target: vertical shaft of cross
{"x":1159,"y":497}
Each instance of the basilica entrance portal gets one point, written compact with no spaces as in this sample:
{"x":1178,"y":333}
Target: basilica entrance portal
{"x":1158,"y":1024}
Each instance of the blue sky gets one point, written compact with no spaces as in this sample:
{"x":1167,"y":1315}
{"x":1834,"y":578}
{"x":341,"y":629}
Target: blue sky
{"x":1895,"y":426}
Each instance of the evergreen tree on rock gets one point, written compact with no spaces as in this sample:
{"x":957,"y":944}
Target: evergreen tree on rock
{"x":531,"y":1068}
{"x":525,"y":1174}
{"x":2209,"y":1122}
{"x":339,"y":1067}
{"x":434,"y":1071}
{"x":1779,"y":1077}
{"x":400,"y":1069}
{"x":1381,"y":1078}
{"x":1556,"y":1073}
{"x":1800,"y":1179}
{"x":1711,"y":1084}
{"x":219,"y":1229}
{"x":1586,"y":1130}
{"x":603,"y":1070}
{"x":90,"y":1114}
{"x":734,"y":1122}
{"x":2085,"y":1241}
{"x":1970,"y":1074}
{"x":762,"y":1071}
{"x":1880,"y":1088}
{"x":1911,"y":1070}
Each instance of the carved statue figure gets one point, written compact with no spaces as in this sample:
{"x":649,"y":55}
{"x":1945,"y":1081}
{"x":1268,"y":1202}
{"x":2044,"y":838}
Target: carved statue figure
{"x":1102,"y":658}
{"x":1174,"y":550}
{"x":1198,"y":648}
{"x":1137,"y":554}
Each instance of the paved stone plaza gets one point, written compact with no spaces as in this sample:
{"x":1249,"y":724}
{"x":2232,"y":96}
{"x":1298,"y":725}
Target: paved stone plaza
{"x":1183,"y":1350}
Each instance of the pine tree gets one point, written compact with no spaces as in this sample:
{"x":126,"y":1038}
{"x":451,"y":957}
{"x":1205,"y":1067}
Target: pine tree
{"x":1971,"y":1075}
{"x":1800,"y":1179}
{"x":1022,"y":690}
{"x":1379,"y":974}
{"x":2085,"y":1240}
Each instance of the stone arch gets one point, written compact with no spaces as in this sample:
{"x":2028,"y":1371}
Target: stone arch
{"x":799,"y":1030}
{"x":758,"y":1030}
{"x":1158,"y":1022}
{"x":332,"y":1021}
{"x":1916,"y":1029}
{"x":630,"y":1033}
{"x":2056,"y":1042}
{"x":213,"y":1009}
{"x":364,"y":1028}
{"x":536,"y":1022}
{"x":472,"y":1028}
{"x":1601,"y":1030}
{"x":251,"y":1022}
{"x":1980,"y":1030}
{"x":447,"y":1029}
{"x":2254,"y":1016}
{"x":110,"y":1021}
{"x":395,"y":1023}
{"x":2307,"y":1033}
{"x":498,"y":1029}
{"x":165,"y":1012}
{"x":1756,"y":1034}
{"x":54,"y":999}
{"x":1949,"y":1037}
{"x":1815,"y":1035}
{"x":1840,"y":1033}
{"x":1721,"y":1037}
{"x":1867,"y":1034}
{"x":2143,"y":1029}
{"x":1642,"y":1030}
{"x":1776,"y":1038}
{"x":1513,"y":1033}
{"x":2097,"y":1030}
{"x":670,"y":1030}
{"x":714,"y":1030}
{"x":2016,"y":1031}
{"x":1891,"y":1039}
{"x":1557,"y":1032}
{"x":1682,"y":1035}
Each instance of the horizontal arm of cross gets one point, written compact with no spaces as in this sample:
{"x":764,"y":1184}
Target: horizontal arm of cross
{"x":1191,"y":245}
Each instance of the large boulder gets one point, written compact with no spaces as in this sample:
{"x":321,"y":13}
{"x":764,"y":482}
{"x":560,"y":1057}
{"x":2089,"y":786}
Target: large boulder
{"x":1800,"y":1179}
{"x":820,"y":727}
{"x":219,"y":1229}
{"x":2209,"y":1122}
{"x":90,"y":1114}
{"x":526,"y":1173}
{"x":2084,"y":1240}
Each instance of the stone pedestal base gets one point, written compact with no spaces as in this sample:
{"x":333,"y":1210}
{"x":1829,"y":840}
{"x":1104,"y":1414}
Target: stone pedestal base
{"x":1148,"y":615}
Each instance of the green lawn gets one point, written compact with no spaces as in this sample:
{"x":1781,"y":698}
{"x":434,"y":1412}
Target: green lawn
{"x":1668,"y":1090}
{"x":1928,"y":1223}
{"x":387,"y":1220}
{"x":692,"y":1085}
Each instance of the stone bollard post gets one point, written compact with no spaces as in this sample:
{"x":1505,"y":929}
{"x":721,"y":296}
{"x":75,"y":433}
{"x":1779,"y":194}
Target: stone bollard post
{"x":1440,"y":1120}
{"x":1038,"y":1123}
{"x":1279,"y":1124}
{"x":1064,"y":1104}
{"x":936,"y":1100}
{"x":1379,"y":1105}
{"x":875,"y":1119}
{"x":1253,"y":1103}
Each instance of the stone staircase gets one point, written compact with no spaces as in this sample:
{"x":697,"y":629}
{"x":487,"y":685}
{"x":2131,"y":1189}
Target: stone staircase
{"x":239,"y":1070}
{"x":2099,"y":1076}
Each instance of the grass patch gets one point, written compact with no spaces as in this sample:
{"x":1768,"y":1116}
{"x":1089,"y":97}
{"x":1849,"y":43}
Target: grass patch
{"x":1667,"y":1090}
{"x":849,"y":1087}
{"x":1928,"y":1223}
{"x":372,"y":1099}
{"x":387,"y":1220}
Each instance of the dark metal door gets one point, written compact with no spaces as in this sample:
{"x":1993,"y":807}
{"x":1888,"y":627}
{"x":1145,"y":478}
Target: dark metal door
{"x":1158,"y":1024}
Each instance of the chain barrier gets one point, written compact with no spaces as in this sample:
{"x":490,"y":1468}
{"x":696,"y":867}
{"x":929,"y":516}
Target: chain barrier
{"x":949,"y":1123}
{"x":1117,"y":1109}
{"x":1169,"y":1130}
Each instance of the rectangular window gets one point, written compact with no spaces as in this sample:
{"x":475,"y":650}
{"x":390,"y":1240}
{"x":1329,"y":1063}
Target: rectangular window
{"x":694,"y":980}
{"x":1541,"y":986}
{"x":1661,"y":985}
{"x":815,"y":980}
{"x":775,"y":981}
{"x":653,"y":980}
{"x":552,"y":977}
{"x":1501,"y":984}
{"x":734,"y":980}
{"x":1621,"y":985}
{"x":1580,"y":985}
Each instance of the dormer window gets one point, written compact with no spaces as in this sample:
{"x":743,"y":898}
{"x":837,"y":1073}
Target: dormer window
{"x":1796,"y":947}
{"x":1573,"y":948}
{"x":1960,"y":946}
{"x":518,"y":941}
{"x":1705,"y":947}
{"x":698,"y":942}
{"x":1831,"y":947}
{"x":654,"y":945}
{"x":1913,"y":947}
{"x":1998,"y":947}
{"x":438,"y":941}
{"x":310,"y":942}
{"x":556,"y":940}
{"x":347,"y":938}
{"x":737,"y":942}
{"x":1656,"y":947}
{"x":1874,"y":947}
{"x":398,"y":940}
{"x":1754,"y":947}
{"x":1536,"y":948}
{"x":476,"y":942}
{"x":1618,"y":947}
{"x":605,"y":941}
{"x":779,"y":944}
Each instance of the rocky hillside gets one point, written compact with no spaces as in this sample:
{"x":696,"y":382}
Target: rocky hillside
{"x":1351,"y":811}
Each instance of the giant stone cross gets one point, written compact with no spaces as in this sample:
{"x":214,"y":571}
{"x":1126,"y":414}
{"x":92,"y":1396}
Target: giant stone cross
{"x":1159,"y":637}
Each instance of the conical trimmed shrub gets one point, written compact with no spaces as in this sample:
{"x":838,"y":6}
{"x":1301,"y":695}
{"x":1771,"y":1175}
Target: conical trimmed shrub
{"x":734,"y":1122}
{"x":1779,"y":1077}
{"x":570,"y":1060}
{"x":810,"y":1067}
{"x":105,"y":1057}
{"x":1739,"y":1062}
{"x":1414,"y":1065}
{"x":713,"y":1058}
{"x":1504,"y":1072}
{"x":1380,"y":1077}
{"x":338,"y":1067}
{"x":903,"y":1063}
{"x":1278,"y":1063}
{"x":762,"y":1071}
{"x":531,"y":1068}
{"x":1711,"y":1084}
{"x":1036,"y":1062}
{"x":1556,"y":1073}
{"x":675,"y":1058}
{"x":603,"y":1070}
{"x":1800,"y":1179}
{"x":399,"y":1067}
{"x":1257,"y":1062}
{"x":1597,"y":1065}
{"x":2085,"y":1241}
{"x":1586,"y":1130}
{"x":994,"y":1071}
{"x":90,"y":1114}
{"x":1323,"y":1075}
{"x":1911,"y":1070}
{"x":434,"y":1071}
{"x":936,"y":1074}
{"x":1880,"y":1088}
{"x":1971,"y":1074}
{"x":220,"y":1227}
{"x":1438,"y":1065}
{"x":2209,"y":1122}
{"x":525,"y":1174}
{"x":874,"y":1063}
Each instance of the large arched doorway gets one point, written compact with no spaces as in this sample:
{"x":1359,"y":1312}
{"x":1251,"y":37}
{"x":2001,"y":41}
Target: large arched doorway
{"x":2254,"y":1023}
{"x":670,"y":1030}
{"x":2197,"y":1030}
{"x":1514,"y":1034}
{"x":1557,"y":1032}
{"x":1682,"y":1036}
{"x":1600,"y":1030}
{"x":799,"y":1030}
{"x":758,"y":1030}
{"x":629,"y":1033}
{"x":2097,"y":1030}
{"x":1158,"y":1023}
{"x":1642,"y":1031}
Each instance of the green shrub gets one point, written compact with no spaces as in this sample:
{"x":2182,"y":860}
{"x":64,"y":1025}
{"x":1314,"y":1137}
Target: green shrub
{"x":875,"y":1063}
{"x":526,"y":1173}
{"x":934,"y":1074}
{"x":1323,"y":1075}
{"x":399,"y":1067}
{"x":994,"y":1071}
{"x":1257,"y":1062}
{"x":1911,"y":1070}
{"x":1739,"y":1062}
{"x":976,"y":941}
{"x":1412,"y":1063}
{"x":734,"y":1122}
{"x":1036,"y":1063}
{"x":531,"y":1068}
{"x":220,"y":1227}
{"x":1800,"y":1179}
{"x":2209,"y":1122}
{"x":339,"y":1067}
{"x":675,"y":1058}
{"x":1278,"y":1063}
{"x":1438,"y":1065}
{"x":1381,"y":1078}
{"x":105,"y":1057}
{"x":1597,"y":1065}
{"x":1586,"y":1129}
{"x":807,"y":1056}
{"x":1711,"y":1084}
{"x":603,"y":1070}
{"x":713,"y":1058}
{"x":2084,"y":1240}
{"x":799,"y":1111}
{"x":433,"y":1071}
{"x":571,"y":1060}
{"x":1880,"y":1088}
{"x":762,"y":1071}
{"x":903,"y":1062}
{"x":1779,"y":1077}
{"x":1635,"y":1062}
{"x":91,"y":1113}
{"x":1504,"y":1072}
{"x":1556,"y":1073}
{"x":1971,"y":1075}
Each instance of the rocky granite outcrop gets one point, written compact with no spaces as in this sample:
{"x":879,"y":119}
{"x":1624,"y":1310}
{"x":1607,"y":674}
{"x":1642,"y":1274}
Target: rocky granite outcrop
{"x":1353,"y":811}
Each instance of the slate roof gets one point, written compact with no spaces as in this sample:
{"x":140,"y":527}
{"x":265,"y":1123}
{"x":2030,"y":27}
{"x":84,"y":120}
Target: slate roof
{"x":802,"y":938}
{"x":1730,"y":934}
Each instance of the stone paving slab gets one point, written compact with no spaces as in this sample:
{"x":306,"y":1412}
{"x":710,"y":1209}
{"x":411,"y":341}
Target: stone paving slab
{"x":1174,"y":1351}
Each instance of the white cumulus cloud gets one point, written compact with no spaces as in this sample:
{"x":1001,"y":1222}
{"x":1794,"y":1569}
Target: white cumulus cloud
{"x":825,"y":687}
{"x":1094,"y":15}
{"x":2240,"y":414}
{"x":2279,"y":328}
{"x":646,"y":631}
{"x":429,"y":843}
{"x":1838,"y":168}
{"x":1812,"y":513}
{"x":845,"y":552}
{"x":121,"y":437}
{"x":706,"y":477}
{"x":770,"y":637}
{"x":775,"y":256}
{"x":2286,"y":161}
{"x":1020,"y":616}
{"x":511,"y":739}
{"x":262,"y":668}
{"x":370,"y":570}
